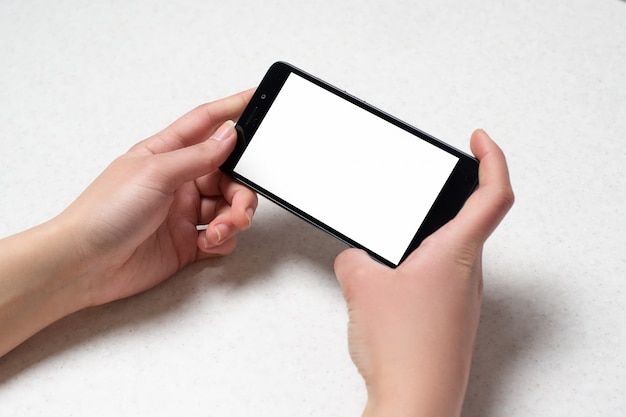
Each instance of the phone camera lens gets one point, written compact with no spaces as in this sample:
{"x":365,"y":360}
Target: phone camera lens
{"x":263,"y":96}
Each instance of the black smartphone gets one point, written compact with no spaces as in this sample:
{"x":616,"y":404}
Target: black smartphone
{"x":354,"y":171}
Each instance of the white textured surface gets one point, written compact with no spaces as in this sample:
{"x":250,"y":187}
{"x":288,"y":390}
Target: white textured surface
{"x":263,"y":332}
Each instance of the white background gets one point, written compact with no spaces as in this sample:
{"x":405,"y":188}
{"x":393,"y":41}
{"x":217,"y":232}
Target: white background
{"x":349,"y":169}
{"x":263,"y":332}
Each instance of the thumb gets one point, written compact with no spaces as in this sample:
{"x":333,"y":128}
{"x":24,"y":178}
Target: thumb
{"x":488,"y":205}
{"x":352,"y":267}
{"x":191,"y":162}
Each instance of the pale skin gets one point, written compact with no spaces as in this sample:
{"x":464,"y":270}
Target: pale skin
{"x":132,"y":228}
{"x":411,"y":331}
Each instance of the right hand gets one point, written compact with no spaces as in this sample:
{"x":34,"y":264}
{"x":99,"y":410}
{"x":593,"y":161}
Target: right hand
{"x":412,"y":329}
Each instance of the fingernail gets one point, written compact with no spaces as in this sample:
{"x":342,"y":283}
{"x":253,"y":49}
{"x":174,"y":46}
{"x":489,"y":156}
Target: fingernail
{"x":205,"y":242}
{"x":221,"y":231}
{"x":249,"y":214}
{"x":224,"y":131}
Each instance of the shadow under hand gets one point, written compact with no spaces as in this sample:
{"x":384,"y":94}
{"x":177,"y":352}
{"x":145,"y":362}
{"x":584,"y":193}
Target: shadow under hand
{"x":277,"y":239}
{"x":517,"y":325}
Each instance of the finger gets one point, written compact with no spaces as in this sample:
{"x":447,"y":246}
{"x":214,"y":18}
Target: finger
{"x":352,"y":267}
{"x":217,"y":184}
{"x":173,"y":169}
{"x":244,"y":203}
{"x":209,"y":209}
{"x":486,"y":207}
{"x":209,"y":185}
{"x":242,"y":199}
{"x":230,"y":219}
{"x":207,"y":251}
{"x":195,"y":126}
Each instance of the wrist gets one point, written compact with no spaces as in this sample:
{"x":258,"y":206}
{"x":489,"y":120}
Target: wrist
{"x":419,"y":389}
{"x":64,"y":267}
{"x":417,"y":405}
{"x":398,"y":399}
{"x":40,"y":281}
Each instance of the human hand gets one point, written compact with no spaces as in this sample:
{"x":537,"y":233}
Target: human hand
{"x":135,"y":225}
{"x":132,"y":228}
{"x":412,"y":329}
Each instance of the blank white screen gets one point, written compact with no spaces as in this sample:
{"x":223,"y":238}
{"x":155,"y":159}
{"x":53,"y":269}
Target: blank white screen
{"x":346,"y":167}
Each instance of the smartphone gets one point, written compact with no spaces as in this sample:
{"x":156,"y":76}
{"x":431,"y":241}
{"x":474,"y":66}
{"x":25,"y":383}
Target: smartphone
{"x":354,"y":171}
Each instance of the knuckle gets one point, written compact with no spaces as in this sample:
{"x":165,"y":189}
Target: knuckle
{"x":506,"y":197}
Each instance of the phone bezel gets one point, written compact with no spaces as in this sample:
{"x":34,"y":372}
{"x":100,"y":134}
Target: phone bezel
{"x":459,"y":186}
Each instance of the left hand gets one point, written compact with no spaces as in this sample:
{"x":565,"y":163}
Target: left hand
{"x":135,"y":225}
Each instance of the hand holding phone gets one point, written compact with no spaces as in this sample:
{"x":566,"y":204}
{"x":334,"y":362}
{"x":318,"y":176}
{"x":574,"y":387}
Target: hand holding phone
{"x":412,"y":329}
{"x":350,"y":169}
